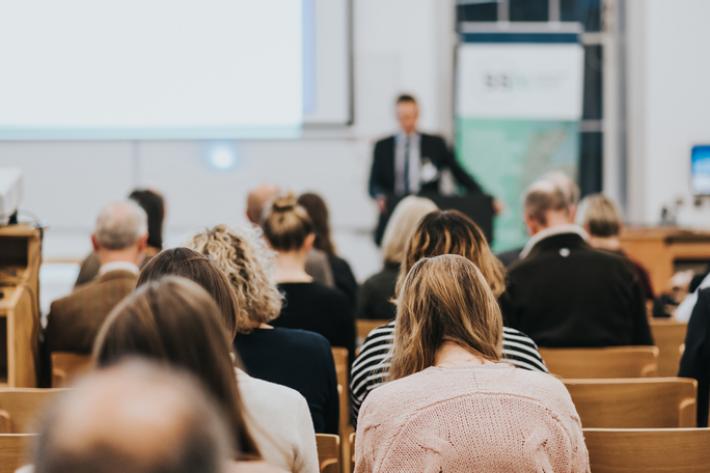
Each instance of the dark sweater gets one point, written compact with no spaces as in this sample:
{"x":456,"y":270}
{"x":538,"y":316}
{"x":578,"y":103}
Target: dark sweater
{"x":376,"y":293}
{"x":300,"y":360}
{"x":344,"y":278}
{"x":695,"y":362}
{"x":314,"y":307}
{"x":566,"y":294}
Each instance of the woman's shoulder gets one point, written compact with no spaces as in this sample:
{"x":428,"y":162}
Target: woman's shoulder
{"x":266,"y":391}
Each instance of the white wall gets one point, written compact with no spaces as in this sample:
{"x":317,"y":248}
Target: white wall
{"x":669,"y":103}
{"x":400,"y":45}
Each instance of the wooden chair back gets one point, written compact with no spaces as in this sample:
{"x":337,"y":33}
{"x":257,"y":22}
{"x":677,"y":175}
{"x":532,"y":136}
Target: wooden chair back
{"x":68,"y":366}
{"x":648,"y":450}
{"x":351,"y":441}
{"x":612,"y":362}
{"x":14,"y":451}
{"x":20,"y":407}
{"x":635,"y":402}
{"x":365,"y":326}
{"x":342,"y":368}
{"x":669,"y":336}
{"x":328,"y":453}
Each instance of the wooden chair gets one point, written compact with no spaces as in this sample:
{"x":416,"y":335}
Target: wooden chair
{"x":669,"y":336}
{"x":351,"y":441}
{"x":648,"y":450}
{"x":14,"y":450}
{"x":19,"y":408}
{"x":328,"y":453}
{"x":635,"y":403}
{"x":365,"y":326}
{"x":612,"y":362}
{"x":67,"y":366}
{"x":340,"y":356}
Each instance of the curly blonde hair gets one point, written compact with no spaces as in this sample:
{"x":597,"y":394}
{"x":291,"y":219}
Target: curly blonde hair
{"x":243,"y":256}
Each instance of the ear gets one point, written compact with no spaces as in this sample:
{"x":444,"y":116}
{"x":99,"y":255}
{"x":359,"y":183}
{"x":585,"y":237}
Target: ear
{"x":309,"y":242}
{"x":94,"y":242}
{"x":531,"y":224}
{"x":142,"y":243}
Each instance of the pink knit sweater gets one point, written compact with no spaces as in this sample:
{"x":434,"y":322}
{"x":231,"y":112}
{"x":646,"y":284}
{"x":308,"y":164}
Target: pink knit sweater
{"x":490,"y":418}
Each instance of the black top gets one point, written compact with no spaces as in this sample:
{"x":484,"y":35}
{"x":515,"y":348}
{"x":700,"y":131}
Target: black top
{"x":566,"y":294}
{"x":377,"y":292}
{"x":317,"y":308}
{"x":695,"y":362}
{"x":300,"y":360}
{"x":433,"y":148}
{"x":344,"y":278}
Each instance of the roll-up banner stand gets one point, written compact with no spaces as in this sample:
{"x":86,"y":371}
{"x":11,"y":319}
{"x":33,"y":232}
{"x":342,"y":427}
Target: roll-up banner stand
{"x":518,"y":106}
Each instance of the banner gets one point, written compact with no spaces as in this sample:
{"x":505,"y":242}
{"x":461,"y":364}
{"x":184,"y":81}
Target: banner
{"x":518,"y":107}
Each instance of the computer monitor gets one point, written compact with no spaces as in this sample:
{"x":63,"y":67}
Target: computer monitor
{"x":700,"y":170}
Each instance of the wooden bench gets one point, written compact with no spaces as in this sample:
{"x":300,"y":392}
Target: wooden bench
{"x":612,"y":362}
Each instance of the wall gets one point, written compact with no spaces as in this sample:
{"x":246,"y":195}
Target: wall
{"x":669,"y":100}
{"x":399,"y":45}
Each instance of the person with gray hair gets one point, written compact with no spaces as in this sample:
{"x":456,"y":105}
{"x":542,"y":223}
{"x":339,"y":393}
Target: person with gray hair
{"x":119,"y":240}
{"x":564,"y":293}
{"x":134,"y":417}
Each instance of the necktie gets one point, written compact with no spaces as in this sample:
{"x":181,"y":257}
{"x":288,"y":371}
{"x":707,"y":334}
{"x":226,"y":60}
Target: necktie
{"x":406,"y":165}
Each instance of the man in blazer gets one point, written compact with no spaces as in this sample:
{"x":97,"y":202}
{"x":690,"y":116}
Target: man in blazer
{"x":119,"y":240}
{"x":562,"y":292}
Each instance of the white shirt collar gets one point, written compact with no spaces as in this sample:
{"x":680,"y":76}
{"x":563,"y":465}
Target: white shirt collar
{"x":118,"y":266}
{"x":552,"y":231}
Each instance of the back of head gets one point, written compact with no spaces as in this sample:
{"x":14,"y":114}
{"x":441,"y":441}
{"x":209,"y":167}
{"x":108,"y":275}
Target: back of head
{"x":154,"y":206}
{"x":404,"y":220}
{"x":243,"y":257}
{"x":257,"y":199}
{"x":198,"y":268}
{"x":287,"y":225}
{"x":445,"y":232}
{"x":444,"y":298}
{"x":318,"y":212}
{"x":600,"y":217}
{"x":174,"y":321}
{"x":133,"y":418}
{"x":120,"y":225}
{"x":542,"y":198}
{"x":565,"y":184}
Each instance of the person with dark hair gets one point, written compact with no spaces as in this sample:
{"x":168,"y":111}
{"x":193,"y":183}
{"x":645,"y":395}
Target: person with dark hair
{"x":292,"y":445}
{"x":154,"y":206}
{"x":342,"y":273}
{"x":309,"y":305}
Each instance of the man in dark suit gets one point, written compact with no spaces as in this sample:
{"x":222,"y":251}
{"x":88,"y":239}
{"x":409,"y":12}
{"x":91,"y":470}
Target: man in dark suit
{"x":563,"y":293}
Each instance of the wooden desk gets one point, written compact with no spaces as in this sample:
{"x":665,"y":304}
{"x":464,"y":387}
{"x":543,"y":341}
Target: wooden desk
{"x":659,"y":249}
{"x":20,"y":255}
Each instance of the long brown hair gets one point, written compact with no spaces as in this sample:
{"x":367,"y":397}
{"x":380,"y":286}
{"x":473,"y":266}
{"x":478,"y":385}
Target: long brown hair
{"x":318,"y":211}
{"x":175,"y":321}
{"x":445,"y":232}
{"x":287,"y":224}
{"x":444,"y":298}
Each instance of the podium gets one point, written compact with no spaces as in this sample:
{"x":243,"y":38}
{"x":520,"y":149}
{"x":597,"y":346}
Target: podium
{"x":478,"y":207}
{"x":20,"y":256}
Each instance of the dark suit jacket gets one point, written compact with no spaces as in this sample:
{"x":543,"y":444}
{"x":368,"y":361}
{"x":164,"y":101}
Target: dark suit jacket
{"x":382,"y":174}
{"x":695,"y":362}
{"x":74,"y":321}
{"x":566,"y":294}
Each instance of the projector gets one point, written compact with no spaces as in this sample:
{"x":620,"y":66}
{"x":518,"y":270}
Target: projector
{"x":10,"y":193}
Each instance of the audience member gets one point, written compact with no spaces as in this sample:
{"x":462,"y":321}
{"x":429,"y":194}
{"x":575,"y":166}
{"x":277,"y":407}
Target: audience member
{"x":154,"y":206}
{"x":309,"y":305}
{"x":440,"y":233}
{"x":376,"y":293}
{"x":134,"y":417}
{"x":602,"y":221}
{"x":695,"y":362}
{"x":291,"y":446}
{"x":295,"y":358}
{"x":450,"y":404}
{"x":342,"y":274}
{"x":563,"y":293}
{"x":119,"y":241}
{"x":259,"y":201}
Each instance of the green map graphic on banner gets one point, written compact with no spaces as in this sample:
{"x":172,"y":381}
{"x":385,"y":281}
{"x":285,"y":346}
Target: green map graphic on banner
{"x":506,"y":156}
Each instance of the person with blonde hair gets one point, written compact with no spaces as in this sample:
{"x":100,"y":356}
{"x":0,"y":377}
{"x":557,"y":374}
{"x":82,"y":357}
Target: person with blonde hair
{"x":440,"y":233}
{"x":295,"y":358}
{"x":451,"y":405}
{"x":376,"y":293}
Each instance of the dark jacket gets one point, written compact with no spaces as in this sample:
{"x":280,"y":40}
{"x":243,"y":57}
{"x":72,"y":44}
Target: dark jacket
{"x":376,"y":294}
{"x":433,"y":148}
{"x":566,"y":294}
{"x":695,"y":362}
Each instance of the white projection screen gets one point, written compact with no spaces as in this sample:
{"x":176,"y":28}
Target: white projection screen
{"x":171,"y":69}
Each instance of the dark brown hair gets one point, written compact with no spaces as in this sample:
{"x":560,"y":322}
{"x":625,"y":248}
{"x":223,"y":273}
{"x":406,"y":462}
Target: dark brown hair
{"x":154,"y":206}
{"x":198,"y":268}
{"x":287,"y":224}
{"x":175,"y":321}
{"x":318,"y":211}
{"x":405,"y":98}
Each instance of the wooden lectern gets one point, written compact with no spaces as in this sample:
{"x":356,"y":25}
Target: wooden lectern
{"x":20,"y":256}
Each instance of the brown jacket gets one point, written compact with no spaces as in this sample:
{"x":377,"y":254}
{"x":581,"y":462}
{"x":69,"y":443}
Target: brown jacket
{"x":74,"y":321}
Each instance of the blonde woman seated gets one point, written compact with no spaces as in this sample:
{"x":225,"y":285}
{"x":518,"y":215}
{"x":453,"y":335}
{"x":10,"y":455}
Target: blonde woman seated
{"x":451,"y":405}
